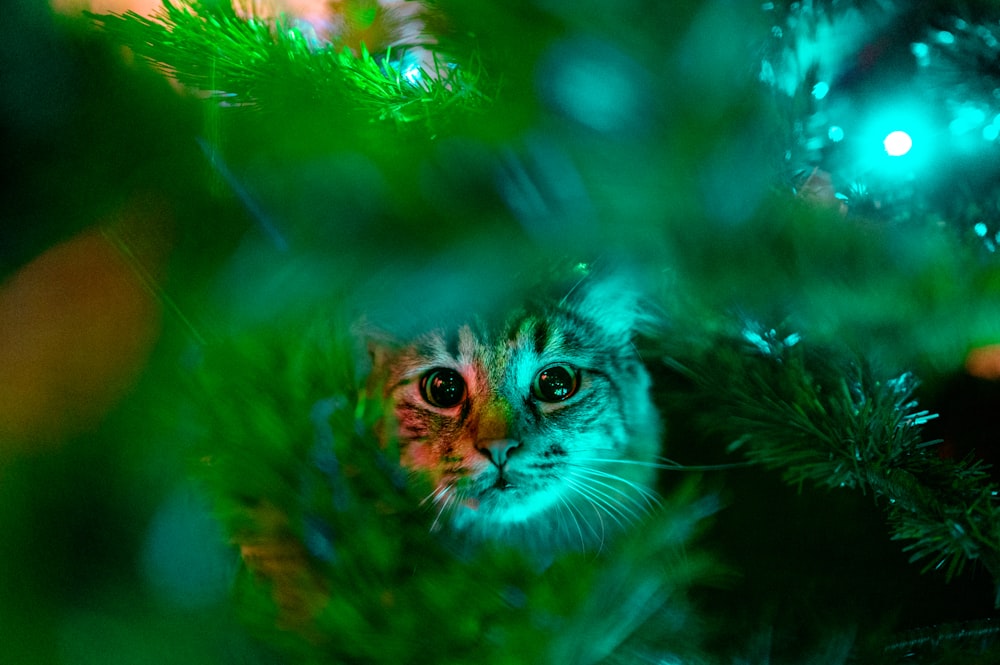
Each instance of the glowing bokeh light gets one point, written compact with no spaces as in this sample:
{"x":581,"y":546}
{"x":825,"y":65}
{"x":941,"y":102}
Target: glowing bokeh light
{"x":966,"y":118}
{"x":984,"y":362}
{"x":413,"y":74}
{"x":836,"y":134}
{"x":945,"y":37}
{"x":595,"y":84}
{"x":900,"y":136}
{"x":897,"y":143}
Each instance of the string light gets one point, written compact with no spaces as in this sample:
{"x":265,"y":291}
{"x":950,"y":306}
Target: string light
{"x":897,"y":143}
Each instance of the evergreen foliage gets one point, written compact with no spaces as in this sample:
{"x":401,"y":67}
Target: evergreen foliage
{"x":825,"y":418}
{"x":241,"y":60}
{"x":686,"y":136}
{"x":786,"y":401}
{"x":374,"y":582}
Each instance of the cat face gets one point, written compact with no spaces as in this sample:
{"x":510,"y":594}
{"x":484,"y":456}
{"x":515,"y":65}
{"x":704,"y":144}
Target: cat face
{"x":540,"y":425}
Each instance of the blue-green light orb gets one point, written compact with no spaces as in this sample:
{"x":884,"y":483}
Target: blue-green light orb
{"x":945,"y":37}
{"x":897,"y":143}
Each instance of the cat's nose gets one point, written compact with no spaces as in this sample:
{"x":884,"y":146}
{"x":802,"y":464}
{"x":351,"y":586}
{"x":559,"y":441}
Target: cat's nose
{"x":497,"y":450}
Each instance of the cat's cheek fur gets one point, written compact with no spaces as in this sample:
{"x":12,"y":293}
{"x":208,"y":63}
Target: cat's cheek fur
{"x":419,"y":457}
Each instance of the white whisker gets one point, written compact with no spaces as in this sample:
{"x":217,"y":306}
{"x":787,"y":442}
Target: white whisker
{"x":593,"y":504}
{"x":597,"y":534}
{"x":445,"y":498}
{"x":599,"y":499}
{"x":670,"y":464}
{"x":565,"y":505}
{"x":649,"y":497}
{"x":562,"y":518}
{"x":435,"y":495}
{"x":615,"y":503}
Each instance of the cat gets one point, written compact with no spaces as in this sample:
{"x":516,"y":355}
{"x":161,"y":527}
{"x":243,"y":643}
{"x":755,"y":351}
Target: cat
{"x":539,"y":430}
{"x":535,"y":427}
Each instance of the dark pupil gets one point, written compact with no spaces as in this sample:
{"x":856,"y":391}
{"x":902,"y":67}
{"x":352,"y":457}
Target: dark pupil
{"x":556,"y":384}
{"x":443,"y":387}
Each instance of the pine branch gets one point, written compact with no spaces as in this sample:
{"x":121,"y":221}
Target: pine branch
{"x":341,"y":563}
{"x":937,"y":643}
{"x":265,"y":64}
{"x":826,"y":419}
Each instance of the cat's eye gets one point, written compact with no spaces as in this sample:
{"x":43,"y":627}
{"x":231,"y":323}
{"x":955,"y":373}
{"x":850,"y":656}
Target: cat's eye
{"x":556,"y":383}
{"x":442,"y":387}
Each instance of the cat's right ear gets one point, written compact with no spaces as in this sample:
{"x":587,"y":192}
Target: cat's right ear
{"x":377,"y":351}
{"x":380,"y":355}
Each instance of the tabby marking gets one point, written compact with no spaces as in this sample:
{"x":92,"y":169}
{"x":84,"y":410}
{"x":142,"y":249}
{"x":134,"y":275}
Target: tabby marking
{"x":539,"y":431}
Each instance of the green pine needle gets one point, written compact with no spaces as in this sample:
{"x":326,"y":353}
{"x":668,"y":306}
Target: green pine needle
{"x":262,"y":64}
{"x":282,"y":422}
{"x":826,"y":419}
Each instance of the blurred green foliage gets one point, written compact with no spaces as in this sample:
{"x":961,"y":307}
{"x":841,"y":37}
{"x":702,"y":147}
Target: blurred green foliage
{"x":587,"y":130}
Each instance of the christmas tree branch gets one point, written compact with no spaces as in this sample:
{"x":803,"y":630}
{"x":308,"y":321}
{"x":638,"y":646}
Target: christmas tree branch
{"x":263,"y":63}
{"x":829,"y":420}
{"x":342,"y":559}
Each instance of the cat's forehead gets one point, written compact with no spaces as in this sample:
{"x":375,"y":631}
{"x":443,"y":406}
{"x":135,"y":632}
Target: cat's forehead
{"x":536,"y":333}
{"x":456,"y":344}
{"x":466,"y":343}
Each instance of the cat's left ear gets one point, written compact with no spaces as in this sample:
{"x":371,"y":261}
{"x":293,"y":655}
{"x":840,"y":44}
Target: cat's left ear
{"x":618,"y":304}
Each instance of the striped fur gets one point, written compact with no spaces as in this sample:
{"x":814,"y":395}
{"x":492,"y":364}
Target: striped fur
{"x":577,"y":469}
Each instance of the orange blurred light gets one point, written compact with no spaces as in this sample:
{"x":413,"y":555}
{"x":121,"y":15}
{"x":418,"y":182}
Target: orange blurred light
{"x":984,"y":362}
{"x":145,"y":7}
{"x":307,"y":9}
{"x":76,"y":327}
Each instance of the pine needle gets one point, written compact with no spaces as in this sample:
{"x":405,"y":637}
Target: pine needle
{"x":825,"y":418}
{"x":251,"y":62}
